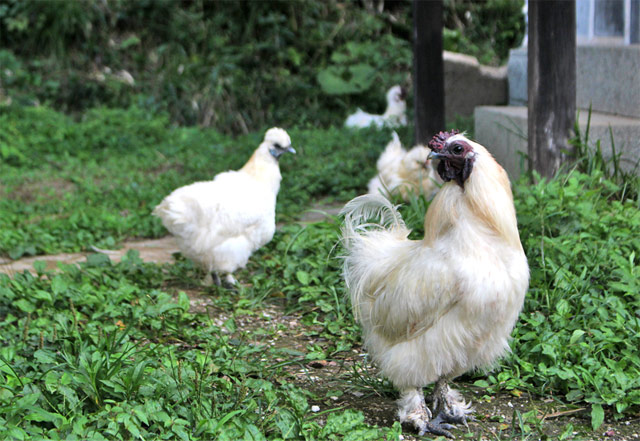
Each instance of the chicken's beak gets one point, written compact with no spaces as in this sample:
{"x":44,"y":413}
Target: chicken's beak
{"x":435,"y":155}
{"x":290,"y":149}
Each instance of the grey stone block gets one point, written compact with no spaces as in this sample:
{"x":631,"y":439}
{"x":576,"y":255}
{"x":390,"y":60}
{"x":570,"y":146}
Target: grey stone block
{"x":503,"y":131}
{"x":607,"y":78}
{"x":468,"y":84}
{"x":517,"y":73}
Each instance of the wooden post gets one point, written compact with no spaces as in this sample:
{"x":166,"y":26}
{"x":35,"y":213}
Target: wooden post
{"x":428,"y":70}
{"x":551,"y":82}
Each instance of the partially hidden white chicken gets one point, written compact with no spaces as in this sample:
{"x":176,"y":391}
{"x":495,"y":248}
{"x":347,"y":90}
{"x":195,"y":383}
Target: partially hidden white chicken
{"x":394,"y":116}
{"x":218,"y":224}
{"x":404,"y":172}
{"x":435,"y":308}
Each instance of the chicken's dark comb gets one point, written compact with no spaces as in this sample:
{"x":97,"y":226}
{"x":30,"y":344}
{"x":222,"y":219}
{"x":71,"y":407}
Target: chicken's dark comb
{"x":437,"y":142}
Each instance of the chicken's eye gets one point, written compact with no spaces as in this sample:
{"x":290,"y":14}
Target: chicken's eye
{"x":457,"y":149}
{"x":277,"y":145}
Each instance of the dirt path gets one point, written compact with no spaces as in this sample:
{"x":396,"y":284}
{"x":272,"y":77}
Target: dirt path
{"x":151,"y":250}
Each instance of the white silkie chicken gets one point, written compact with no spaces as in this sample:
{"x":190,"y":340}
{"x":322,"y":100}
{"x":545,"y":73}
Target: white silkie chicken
{"x":435,"y":308}
{"x":401,"y":171}
{"x":394,"y":116}
{"x":218,"y":224}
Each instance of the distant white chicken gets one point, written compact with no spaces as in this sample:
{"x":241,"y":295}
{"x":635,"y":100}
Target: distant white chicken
{"x":403,"y":172}
{"x":394,"y":116}
{"x":435,"y":308}
{"x":218,"y":224}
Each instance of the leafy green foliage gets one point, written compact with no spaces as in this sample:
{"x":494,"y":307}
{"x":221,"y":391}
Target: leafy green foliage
{"x":237,"y":66}
{"x":232,"y":65}
{"x":486,"y":29}
{"x":579,"y":332}
{"x":356,"y":66}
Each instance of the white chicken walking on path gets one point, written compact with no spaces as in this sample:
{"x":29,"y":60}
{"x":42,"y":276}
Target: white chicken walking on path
{"x":394,"y":116}
{"x":435,"y":308}
{"x":218,"y":224}
{"x":401,"y":171}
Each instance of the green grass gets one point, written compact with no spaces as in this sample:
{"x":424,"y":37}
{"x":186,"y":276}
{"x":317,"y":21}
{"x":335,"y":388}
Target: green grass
{"x":121,"y":351}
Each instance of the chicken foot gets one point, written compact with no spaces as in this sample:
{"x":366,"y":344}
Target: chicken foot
{"x":413,"y":410}
{"x":449,"y":406}
{"x":213,"y":278}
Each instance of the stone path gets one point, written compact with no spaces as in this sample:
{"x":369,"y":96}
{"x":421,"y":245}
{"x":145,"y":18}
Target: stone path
{"x":152,"y":250}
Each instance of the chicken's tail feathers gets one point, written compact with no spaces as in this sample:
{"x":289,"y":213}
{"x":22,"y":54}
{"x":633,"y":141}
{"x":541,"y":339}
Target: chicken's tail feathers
{"x":395,"y":138}
{"x":372,"y":224}
{"x":394,"y":146}
{"x":361,"y":212}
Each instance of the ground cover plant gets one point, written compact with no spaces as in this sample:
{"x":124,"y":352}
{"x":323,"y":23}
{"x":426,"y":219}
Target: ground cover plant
{"x":141,"y":350}
{"x":71,"y":185}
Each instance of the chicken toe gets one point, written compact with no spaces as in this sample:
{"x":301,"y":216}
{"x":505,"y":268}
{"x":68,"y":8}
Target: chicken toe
{"x":449,"y":406}
{"x":413,"y":410}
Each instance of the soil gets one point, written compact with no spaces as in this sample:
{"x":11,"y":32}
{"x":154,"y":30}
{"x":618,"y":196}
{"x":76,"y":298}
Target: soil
{"x":154,"y":250}
{"x":331,"y":381}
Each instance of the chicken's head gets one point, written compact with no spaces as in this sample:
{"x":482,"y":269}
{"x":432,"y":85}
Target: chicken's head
{"x":417,"y":159}
{"x":278,"y":141}
{"x":396,"y":95}
{"x":456,"y":156}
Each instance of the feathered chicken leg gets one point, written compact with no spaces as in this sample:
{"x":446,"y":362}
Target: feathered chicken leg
{"x":413,"y":410}
{"x":211,"y":278}
{"x":449,"y":406}
{"x":230,"y":280}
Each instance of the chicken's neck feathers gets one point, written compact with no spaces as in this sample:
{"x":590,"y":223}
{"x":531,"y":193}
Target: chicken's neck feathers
{"x":395,"y":109}
{"x":485,"y":201}
{"x":263,"y":167}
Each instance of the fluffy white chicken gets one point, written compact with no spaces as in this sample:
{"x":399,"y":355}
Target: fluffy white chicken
{"x":402,"y":171}
{"x":394,"y":116}
{"x":218,"y":224}
{"x":435,"y":308}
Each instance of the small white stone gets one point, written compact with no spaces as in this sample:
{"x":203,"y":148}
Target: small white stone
{"x":509,"y":404}
{"x":315,"y":408}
